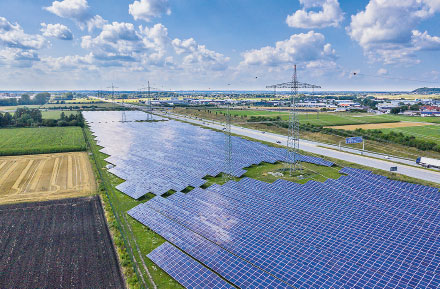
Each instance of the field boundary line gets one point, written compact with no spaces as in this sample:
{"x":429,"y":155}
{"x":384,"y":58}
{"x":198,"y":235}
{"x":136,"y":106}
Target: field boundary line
{"x":54,"y":173}
{"x":69,"y":172}
{"x":22,"y":175}
{"x":8,"y":172}
{"x":115,"y":214}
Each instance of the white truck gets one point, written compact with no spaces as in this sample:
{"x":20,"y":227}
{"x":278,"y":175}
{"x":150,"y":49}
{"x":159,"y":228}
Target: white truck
{"x":428,"y":162}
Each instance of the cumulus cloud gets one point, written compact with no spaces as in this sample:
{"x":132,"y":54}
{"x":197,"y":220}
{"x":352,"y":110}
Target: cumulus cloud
{"x":386,"y":29}
{"x":72,"y":9}
{"x":303,"y":47}
{"x":148,"y":9}
{"x":14,"y":57}
{"x":96,"y":22}
{"x":329,"y":15}
{"x":198,"y":56}
{"x":56,"y":30}
{"x":78,"y":11}
{"x":13,"y":36}
{"x":18,"y":48}
{"x":424,"y":41}
{"x":118,"y":41}
{"x":70,"y":62}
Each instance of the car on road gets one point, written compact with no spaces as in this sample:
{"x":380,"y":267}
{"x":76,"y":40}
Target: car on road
{"x":278,"y":141}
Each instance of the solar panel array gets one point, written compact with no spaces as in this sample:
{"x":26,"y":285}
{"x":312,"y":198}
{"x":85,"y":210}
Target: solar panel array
{"x":160,"y":156}
{"x":186,"y":270}
{"x":359,"y":231}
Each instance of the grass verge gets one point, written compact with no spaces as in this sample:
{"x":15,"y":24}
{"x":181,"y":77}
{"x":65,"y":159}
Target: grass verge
{"x":133,"y":240}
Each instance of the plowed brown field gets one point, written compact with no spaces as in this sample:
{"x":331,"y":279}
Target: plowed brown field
{"x":45,"y":177}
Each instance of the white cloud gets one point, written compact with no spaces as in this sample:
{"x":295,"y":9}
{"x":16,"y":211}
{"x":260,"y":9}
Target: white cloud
{"x":73,"y":9}
{"x":424,"y":41}
{"x":303,"y":47}
{"x":17,"y":48}
{"x":198,"y":56}
{"x":78,"y":11}
{"x":385,"y":29}
{"x":382,"y":71}
{"x":330,"y":15}
{"x":13,"y":36}
{"x":148,"y":9}
{"x":96,"y":22}
{"x":56,"y":30}
{"x":70,"y":62}
{"x":117,"y":42}
{"x":15,"y":57}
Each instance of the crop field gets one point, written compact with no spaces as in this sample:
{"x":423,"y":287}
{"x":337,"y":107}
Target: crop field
{"x":427,"y":132}
{"x":23,"y":141}
{"x":45,"y":177}
{"x":57,"y":244}
{"x":79,"y":105}
{"x":379,"y":125}
{"x":56,"y":114}
{"x":321,"y":118}
{"x":13,"y":108}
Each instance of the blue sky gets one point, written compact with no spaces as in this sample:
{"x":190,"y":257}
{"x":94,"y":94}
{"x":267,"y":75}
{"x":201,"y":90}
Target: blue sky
{"x":218,"y":44}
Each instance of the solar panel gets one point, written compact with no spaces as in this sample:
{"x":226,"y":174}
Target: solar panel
{"x":186,"y":270}
{"x":160,"y":156}
{"x":359,"y":231}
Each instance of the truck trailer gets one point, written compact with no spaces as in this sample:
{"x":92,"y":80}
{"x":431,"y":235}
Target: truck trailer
{"x":428,"y":162}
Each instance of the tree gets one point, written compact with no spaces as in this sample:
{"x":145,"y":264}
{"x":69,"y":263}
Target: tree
{"x":25,"y":99}
{"x":68,"y":95}
{"x":7,"y":119}
{"x":42,"y":98}
{"x":395,"y":110}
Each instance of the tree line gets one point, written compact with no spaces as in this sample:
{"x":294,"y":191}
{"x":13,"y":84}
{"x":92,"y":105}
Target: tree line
{"x":39,"y":99}
{"x":370,"y":134}
{"x":26,"y":117}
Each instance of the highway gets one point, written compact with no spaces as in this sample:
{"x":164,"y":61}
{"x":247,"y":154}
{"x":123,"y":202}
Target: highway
{"x":368,"y":159}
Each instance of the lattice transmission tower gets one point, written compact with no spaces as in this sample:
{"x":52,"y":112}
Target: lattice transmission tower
{"x":294,"y":131}
{"x":149,"y":101}
{"x":124,"y":117}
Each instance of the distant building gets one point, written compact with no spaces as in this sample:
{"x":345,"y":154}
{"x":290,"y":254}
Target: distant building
{"x":430,"y":110}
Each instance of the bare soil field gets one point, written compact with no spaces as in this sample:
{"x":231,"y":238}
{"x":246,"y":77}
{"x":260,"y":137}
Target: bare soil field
{"x":57,"y":244}
{"x":378,"y":125}
{"x":44,"y":177}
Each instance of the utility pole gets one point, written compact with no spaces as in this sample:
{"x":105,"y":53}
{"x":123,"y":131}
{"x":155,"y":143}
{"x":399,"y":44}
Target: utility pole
{"x":293,"y":132}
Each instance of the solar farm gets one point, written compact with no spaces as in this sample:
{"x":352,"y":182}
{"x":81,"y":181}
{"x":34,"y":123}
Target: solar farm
{"x":156,"y":157}
{"x":359,"y":230}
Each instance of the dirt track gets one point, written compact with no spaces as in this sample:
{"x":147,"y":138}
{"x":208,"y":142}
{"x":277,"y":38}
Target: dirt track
{"x":378,"y":125}
{"x":45,"y":177}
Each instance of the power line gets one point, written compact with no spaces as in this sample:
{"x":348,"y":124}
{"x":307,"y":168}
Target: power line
{"x":394,"y":78}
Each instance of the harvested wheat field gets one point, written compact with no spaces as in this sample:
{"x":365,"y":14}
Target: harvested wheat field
{"x":379,"y":125}
{"x":43,"y":177}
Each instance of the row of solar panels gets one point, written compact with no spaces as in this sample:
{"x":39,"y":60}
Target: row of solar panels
{"x":160,"y":156}
{"x":359,"y":231}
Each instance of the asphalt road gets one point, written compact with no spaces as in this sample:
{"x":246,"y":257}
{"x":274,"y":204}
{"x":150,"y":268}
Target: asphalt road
{"x":368,"y":159}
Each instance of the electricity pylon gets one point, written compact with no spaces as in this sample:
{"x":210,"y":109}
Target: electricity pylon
{"x":294,"y":132}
